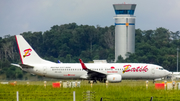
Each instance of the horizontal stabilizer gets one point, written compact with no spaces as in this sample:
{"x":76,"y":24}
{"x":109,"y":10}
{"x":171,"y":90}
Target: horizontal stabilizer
{"x":17,"y":65}
{"x":26,"y":66}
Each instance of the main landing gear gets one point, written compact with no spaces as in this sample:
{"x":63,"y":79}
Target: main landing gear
{"x":92,"y":81}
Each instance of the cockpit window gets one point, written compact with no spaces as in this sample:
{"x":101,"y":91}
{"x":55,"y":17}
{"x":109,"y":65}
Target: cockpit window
{"x":160,"y":68}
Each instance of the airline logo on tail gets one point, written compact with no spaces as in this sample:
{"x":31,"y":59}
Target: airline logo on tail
{"x":27,"y":52}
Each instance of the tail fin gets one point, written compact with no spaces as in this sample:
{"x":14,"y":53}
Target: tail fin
{"x":27,"y":53}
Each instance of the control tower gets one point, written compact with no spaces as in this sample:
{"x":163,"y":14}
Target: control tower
{"x":124,"y":29}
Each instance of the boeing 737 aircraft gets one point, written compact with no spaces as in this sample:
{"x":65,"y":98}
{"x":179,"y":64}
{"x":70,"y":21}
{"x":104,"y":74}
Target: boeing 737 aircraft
{"x":113,"y":72}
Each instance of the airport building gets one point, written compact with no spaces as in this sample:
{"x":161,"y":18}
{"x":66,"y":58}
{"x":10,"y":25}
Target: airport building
{"x":124,"y":29}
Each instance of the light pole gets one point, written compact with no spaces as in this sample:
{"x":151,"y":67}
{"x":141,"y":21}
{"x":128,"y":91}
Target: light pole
{"x":177,"y":58}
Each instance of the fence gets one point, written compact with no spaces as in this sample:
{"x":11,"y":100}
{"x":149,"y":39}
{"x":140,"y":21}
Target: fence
{"x":11,"y":96}
{"x":70,"y":96}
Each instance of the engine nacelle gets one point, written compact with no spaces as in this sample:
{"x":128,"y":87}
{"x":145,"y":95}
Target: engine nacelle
{"x":114,"y":78}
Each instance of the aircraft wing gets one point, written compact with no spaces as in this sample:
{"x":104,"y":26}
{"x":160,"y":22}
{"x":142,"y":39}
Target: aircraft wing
{"x":91,"y":73}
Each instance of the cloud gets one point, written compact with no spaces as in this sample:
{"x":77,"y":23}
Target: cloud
{"x":40,"y":15}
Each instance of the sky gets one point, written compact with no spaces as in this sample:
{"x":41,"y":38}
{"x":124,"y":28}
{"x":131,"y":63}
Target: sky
{"x":18,"y":16}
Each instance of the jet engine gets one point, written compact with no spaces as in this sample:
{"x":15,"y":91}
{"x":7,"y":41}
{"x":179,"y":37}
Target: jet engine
{"x":114,"y":78}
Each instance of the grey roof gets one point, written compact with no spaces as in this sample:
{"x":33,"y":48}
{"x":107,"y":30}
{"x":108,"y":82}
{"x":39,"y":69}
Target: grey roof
{"x":124,"y":6}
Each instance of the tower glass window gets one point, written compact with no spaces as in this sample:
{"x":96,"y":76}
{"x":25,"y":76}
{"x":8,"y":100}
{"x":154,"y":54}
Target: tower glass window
{"x":131,"y":12}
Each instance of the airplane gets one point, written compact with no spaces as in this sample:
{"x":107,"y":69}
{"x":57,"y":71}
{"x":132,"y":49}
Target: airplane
{"x":112,"y":72}
{"x":175,"y":75}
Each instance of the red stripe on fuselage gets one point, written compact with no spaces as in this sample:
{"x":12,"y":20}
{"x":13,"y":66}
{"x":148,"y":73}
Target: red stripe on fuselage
{"x":19,"y":50}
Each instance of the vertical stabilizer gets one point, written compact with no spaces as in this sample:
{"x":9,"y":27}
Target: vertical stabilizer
{"x":27,"y":53}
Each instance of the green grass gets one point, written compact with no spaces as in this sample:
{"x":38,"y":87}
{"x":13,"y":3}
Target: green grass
{"x":127,"y":90}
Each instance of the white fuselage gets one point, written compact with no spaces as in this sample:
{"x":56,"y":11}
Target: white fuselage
{"x":75,"y":71}
{"x":113,"y":72}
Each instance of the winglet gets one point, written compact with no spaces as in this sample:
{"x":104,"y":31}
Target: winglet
{"x":58,"y":61}
{"x":83,"y":65}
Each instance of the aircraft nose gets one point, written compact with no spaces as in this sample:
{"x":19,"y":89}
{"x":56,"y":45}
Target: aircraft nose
{"x":168,"y":73}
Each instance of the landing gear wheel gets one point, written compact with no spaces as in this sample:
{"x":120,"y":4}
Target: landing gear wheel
{"x":94,"y":81}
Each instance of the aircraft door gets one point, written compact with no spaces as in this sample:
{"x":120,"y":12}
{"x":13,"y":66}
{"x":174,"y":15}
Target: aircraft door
{"x":153,"y":71}
{"x":44,"y":70}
